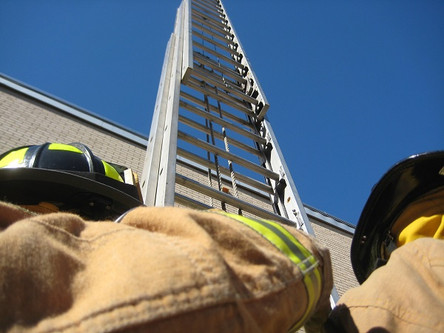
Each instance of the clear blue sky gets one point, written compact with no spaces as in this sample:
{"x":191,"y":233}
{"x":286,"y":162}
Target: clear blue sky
{"x":354,"y":86}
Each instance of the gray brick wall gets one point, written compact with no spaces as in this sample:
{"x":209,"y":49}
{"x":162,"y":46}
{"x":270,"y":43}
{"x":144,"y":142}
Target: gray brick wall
{"x":338,"y":242}
{"x":25,"y":121}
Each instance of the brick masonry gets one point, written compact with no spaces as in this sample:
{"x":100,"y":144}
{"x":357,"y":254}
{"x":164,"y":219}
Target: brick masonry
{"x":338,"y":242}
{"x":26,"y":121}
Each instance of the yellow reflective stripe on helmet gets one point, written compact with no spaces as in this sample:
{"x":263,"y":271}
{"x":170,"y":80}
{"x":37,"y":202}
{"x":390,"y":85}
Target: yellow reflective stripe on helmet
{"x":111,"y":172}
{"x":295,"y":251}
{"x":14,"y":159}
{"x":63,"y":147}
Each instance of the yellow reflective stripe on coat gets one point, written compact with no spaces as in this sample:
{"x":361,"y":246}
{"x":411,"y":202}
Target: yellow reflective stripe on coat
{"x":294,"y":250}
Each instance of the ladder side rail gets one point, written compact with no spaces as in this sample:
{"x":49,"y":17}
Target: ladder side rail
{"x":167,"y":171}
{"x":287,"y":194}
{"x":150,"y":171}
{"x":187,"y":29}
{"x":250,"y":75}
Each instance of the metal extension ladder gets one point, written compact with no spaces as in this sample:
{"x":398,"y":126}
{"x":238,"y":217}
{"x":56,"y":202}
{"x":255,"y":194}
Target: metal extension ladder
{"x":210,"y":143}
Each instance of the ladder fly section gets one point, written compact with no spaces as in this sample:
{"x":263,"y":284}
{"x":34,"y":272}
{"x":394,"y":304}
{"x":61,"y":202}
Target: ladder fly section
{"x":210,"y":143}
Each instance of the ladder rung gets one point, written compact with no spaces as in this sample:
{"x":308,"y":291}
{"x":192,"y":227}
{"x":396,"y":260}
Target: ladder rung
{"x":229,"y":199}
{"x":221,"y":96}
{"x":210,"y":11}
{"x":188,"y":202}
{"x":255,"y":184}
{"x":234,"y":158}
{"x":219,"y":55}
{"x":193,"y":203}
{"x":222,"y":37}
{"x":221,"y":78}
{"x":234,"y":103}
{"x":211,"y":26}
{"x":217,"y":44}
{"x":220,"y":136}
{"x":215,"y":109}
{"x":210,"y":4}
{"x":218,"y":67}
{"x":219,"y":83}
{"x":215,"y":7}
{"x":221,"y":23}
{"x":222,"y":122}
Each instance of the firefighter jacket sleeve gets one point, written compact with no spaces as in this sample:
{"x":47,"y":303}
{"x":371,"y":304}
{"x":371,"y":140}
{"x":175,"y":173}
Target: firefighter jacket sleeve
{"x":405,"y":295}
{"x":158,"y":270}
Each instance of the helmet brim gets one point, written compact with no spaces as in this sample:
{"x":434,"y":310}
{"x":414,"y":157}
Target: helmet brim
{"x":25,"y":186}
{"x":404,"y":183}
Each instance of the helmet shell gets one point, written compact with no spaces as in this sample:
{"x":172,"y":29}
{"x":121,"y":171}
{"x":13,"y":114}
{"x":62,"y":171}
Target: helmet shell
{"x":404,"y":183}
{"x":70,"y":175}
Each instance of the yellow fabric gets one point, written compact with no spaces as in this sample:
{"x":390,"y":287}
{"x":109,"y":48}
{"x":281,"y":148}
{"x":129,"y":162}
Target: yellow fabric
{"x":427,"y":226}
{"x":111,"y":172}
{"x":422,"y":218}
{"x":63,"y":147}
{"x":294,"y":250}
{"x":14,"y":158}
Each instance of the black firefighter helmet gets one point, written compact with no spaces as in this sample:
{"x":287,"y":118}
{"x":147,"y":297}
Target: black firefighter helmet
{"x":67,"y":177}
{"x":411,"y":181}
